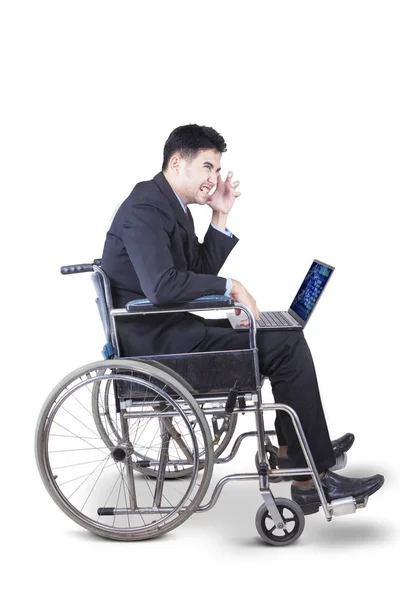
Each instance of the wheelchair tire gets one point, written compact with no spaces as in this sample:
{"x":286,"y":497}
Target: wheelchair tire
{"x":105,"y":418}
{"x":94,"y":481}
{"x":291,"y":514}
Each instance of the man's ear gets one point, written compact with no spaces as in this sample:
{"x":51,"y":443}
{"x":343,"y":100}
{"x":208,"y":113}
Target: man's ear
{"x":174,"y":163}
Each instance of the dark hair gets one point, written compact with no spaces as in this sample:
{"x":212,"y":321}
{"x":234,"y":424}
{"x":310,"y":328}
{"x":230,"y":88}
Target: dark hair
{"x":189,"y":139}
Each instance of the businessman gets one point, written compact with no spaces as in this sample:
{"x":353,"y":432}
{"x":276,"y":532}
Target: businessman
{"x":151,"y":251}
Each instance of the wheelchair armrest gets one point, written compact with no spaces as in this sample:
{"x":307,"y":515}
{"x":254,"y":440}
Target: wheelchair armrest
{"x":213,"y":301}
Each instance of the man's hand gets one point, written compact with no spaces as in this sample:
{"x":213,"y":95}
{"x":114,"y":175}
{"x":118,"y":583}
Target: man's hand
{"x":224,"y":195}
{"x":240,"y":294}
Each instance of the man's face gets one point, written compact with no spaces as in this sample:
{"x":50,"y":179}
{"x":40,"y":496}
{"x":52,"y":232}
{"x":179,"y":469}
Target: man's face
{"x":197,"y":177}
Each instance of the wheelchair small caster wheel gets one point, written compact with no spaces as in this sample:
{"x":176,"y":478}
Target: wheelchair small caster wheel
{"x":272,"y":455}
{"x":292,"y":516}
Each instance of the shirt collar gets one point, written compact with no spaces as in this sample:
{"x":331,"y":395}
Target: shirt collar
{"x":183,"y":206}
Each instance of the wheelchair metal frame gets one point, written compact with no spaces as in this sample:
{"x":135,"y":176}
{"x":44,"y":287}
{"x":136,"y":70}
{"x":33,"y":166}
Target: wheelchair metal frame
{"x":264,"y":472}
{"x":188,"y":401}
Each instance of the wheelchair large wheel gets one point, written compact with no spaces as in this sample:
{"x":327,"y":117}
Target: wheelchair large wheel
{"x":105,"y":412}
{"x":102,"y":485}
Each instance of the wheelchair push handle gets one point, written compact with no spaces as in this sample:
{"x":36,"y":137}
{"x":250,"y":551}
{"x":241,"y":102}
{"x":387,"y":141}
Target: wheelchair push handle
{"x":82,"y":268}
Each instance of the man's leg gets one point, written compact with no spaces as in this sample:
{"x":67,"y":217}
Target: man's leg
{"x":285,"y":359}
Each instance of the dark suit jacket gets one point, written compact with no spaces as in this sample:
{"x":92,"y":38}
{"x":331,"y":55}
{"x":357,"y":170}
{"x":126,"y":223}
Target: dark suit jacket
{"x":151,"y":251}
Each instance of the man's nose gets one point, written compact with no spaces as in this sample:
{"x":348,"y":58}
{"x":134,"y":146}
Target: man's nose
{"x":213,"y":178}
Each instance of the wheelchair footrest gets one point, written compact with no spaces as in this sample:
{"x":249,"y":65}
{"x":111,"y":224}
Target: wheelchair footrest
{"x":344,"y":506}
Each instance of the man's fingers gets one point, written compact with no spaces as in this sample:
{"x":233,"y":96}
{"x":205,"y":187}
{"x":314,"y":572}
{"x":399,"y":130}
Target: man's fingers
{"x":244,"y":323}
{"x":229,"y":176}
{"x":237,"y":311}
{"x":235,"y":184}
{"x":237,"y":194}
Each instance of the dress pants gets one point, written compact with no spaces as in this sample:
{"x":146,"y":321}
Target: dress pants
{"x":284,"y":357}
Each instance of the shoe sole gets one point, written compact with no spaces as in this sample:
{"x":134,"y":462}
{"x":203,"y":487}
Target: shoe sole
{"x":310,"y":509}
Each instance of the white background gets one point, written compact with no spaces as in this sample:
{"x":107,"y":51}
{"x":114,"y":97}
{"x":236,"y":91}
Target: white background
{"x":307,"y":96}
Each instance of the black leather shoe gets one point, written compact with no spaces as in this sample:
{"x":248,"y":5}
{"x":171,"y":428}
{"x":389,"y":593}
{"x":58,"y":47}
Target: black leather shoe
{"x":336,"y":487}
{"x":342,"y":444}
{"x":340,"y":447}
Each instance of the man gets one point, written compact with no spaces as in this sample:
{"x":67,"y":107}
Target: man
{"x":152,"y":251}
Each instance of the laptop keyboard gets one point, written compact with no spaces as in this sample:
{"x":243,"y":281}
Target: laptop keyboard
{"x":272,"y":319}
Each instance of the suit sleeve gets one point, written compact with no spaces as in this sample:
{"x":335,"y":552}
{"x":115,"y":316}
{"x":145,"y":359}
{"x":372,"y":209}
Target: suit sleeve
{"x":145,"y":236}
{"x":210,"y":256}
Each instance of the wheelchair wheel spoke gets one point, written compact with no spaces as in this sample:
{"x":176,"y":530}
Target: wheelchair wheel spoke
{"x":75,"y":436}
{"x":87,"y":477}
{"x":64,"y":483}
{"x":79,"y":420}
{"x":121,"y":481}
{"x":94,"y":485}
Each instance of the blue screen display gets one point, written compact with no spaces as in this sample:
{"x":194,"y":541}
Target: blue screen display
{"x":310,"y":290}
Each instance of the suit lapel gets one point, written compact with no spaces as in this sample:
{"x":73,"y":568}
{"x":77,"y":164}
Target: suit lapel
{"x":168,"y":192}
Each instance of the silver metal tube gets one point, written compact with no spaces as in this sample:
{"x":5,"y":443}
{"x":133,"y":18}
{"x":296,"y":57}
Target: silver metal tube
{"x":114,"y":337}
{"x":237,"y":443}
{"x":201,"y":400}
{"x":258,"y":408}
{"x":172,"y":413}
{"x":144,"y":511}
{"x":218,"y":488}
{"x":109,"y":305}
{"x":252,"y":323}
{"x":262,"y":455}
{"x":131,"y":402}
{"x":155,"y":463}
{"x":129,"y":465}
{"x":138,"y":415}
{"x":235,"y":447}
{"x":308,"y":456}
{"x":209,"y":411}
{"x":177,"y":437}
{"x":165,"y":437}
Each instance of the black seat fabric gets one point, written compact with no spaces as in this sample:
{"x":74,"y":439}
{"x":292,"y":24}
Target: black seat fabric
{"x":206,"y":372}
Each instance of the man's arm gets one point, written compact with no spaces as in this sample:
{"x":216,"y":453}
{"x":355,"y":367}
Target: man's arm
{"x":145,"y":236}
{"x":221,"y":203}
{"x":210,"y":256}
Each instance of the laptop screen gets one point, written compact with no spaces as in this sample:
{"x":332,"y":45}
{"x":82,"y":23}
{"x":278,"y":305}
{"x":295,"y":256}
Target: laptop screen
{"x":311,"y":289}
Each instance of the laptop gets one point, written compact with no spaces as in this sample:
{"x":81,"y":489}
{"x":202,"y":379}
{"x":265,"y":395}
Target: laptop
{"x":302,"y":306}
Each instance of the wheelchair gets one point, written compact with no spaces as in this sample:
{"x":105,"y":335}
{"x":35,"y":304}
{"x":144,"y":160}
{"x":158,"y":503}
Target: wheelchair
{"x":126,"y":446}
